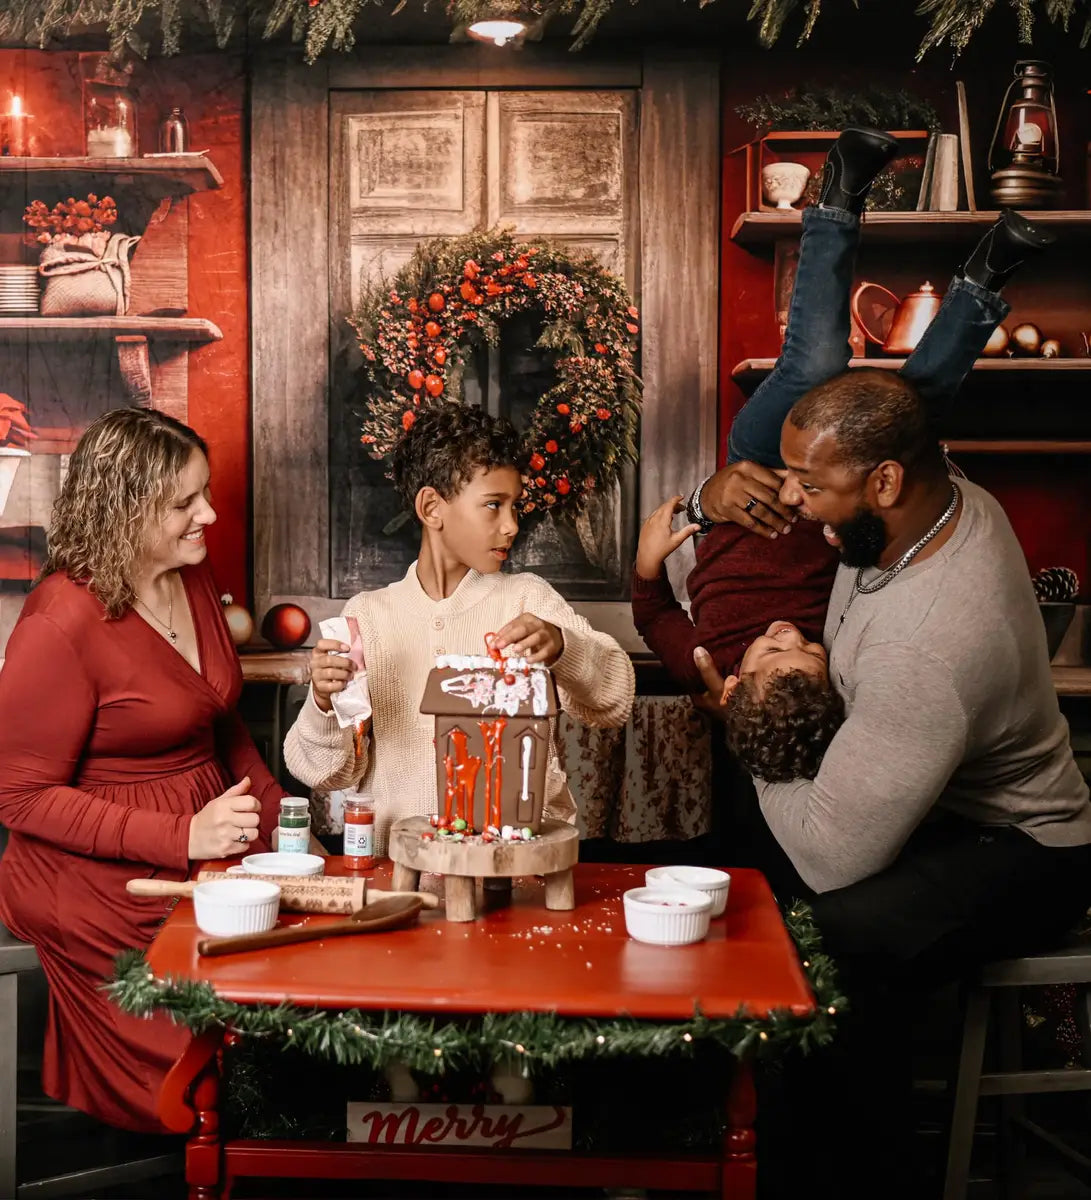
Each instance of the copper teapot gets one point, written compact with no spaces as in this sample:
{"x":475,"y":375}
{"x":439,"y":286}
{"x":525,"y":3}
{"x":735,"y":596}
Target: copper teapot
{"x":911,"y":316}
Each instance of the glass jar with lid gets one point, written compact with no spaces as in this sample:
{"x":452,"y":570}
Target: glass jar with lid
{"x":294,"y":825}
{"x":109,"y":109}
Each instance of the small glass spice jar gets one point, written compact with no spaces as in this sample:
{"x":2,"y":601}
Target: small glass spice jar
{"x":359,"y":833}
{"x":294,"y":825}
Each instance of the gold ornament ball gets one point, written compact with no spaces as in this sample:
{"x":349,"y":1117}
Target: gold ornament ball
{"x":240,"y":623}
{"x":1051,"y":348}
{"x":1026,"y":338}
{"x":997,"y":343}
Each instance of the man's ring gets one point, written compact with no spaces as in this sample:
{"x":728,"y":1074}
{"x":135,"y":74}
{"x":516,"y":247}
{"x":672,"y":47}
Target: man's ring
{"x":750,"y":504}
{"x":243,"y":838}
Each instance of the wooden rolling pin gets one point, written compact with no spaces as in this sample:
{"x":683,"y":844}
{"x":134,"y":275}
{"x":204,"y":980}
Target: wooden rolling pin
{"x":392,"y":912}
{"x":308,"y":893}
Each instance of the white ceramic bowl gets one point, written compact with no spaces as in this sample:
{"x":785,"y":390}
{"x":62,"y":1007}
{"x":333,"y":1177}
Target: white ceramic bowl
{"x":284,"y":864}
{"x":701,"y":879}
{"x":667,"y":915}
{"x":224,"y":907}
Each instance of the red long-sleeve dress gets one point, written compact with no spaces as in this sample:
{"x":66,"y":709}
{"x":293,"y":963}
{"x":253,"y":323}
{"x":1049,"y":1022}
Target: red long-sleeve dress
{"x":109,"y":743}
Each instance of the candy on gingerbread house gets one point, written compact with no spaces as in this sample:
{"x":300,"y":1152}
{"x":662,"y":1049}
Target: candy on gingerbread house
{"x":492,"y":718}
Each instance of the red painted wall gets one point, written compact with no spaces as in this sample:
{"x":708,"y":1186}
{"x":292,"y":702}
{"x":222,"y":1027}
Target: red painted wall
{"x":212,"y":90}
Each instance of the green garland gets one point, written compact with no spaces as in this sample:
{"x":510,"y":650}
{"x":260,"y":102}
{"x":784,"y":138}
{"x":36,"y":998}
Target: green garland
{"x":319,"y":24}
{"x":811,"y":107}
{"x":434,"y":1047}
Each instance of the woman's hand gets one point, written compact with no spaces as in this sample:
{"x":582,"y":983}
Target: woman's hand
{"x":531,"y":638}
{"x":330,"y":672}
{"x":658,"y":540}
{"x":749,"y":495}
{"x":226,"y":824}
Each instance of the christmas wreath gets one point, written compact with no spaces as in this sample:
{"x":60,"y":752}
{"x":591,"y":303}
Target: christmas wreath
{"x":418,"y":330}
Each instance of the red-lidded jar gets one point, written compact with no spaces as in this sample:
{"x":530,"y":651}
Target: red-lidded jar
{"x":359,"y":833}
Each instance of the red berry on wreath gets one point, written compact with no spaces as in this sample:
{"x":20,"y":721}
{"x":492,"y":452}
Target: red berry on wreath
{"x":493,"y":289}
{"x":576,"y":426}
{"x":537,"y":462}
{"x":440,"y":355}
{"x":433,"y":385}
{"x":540,"y":481}
{"x":436,"y":302}
{"x":412,"y":343}
{"x":529,"y":280}
{"x":563,"y":486}
{"x":530,"y":506}
{"x":563,"y":409}
{"x":632,"y":311}
{"x":600,"y":348}
{"x":471,"y":269}
{"x":408,"y":420}
{"x":551,"y":447}
{"x":603,"y":414}
{"x":415,"y":379}
{"x":433,"y":329}
{"x":467,"y":290}
{"x":413,"y":305}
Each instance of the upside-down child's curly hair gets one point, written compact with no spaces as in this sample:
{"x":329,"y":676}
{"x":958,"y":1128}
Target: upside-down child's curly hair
{"x":782,"y":732}
{"x":447,"y":445}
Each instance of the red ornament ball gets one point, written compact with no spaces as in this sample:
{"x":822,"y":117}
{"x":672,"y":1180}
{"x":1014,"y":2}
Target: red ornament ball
{"x":415,"y":380}
{"x":286,"y":626}
{"x":240,"y":623}
{"x":440,"y":356}
{"x":436,"y":302}
{"x":433,"y":329}
{"x":433,"y":385}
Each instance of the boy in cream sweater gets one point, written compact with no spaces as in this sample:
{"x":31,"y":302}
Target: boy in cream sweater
{"x":456,"y":469}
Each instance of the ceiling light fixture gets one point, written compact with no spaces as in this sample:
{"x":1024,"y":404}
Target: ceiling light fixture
{"x":497,"y":30}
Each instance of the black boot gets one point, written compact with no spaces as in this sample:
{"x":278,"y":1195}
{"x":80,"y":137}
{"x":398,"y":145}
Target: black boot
{"x":855,"y":159}
{"x":1001,"y":251}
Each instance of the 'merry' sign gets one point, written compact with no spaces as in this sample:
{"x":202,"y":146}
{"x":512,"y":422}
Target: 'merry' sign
{"x":500,"y":1126}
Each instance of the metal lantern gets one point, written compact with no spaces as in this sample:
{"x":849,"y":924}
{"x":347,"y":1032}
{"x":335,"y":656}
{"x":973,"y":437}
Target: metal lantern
{"x":1024,"y":159}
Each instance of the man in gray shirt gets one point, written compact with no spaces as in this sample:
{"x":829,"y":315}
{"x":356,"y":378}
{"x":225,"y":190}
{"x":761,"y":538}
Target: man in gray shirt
{"x":948,"y":823}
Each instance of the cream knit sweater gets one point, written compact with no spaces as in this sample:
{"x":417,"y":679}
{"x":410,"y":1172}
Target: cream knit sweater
{"x":403,"y":630}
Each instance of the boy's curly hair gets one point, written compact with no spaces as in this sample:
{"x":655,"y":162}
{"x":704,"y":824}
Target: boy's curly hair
{"x":447,"y":445}
{"x":782,"y":733}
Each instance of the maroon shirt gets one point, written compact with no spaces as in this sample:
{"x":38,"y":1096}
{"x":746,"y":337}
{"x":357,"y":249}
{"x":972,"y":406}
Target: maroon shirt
{"x":741,"y":583}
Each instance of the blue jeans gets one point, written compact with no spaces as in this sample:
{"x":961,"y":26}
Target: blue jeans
{"x":816,"y":343}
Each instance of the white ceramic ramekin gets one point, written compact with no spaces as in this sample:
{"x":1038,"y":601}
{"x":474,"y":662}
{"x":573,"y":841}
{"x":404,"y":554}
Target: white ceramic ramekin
{"x":224,"y":907}
{"x":284,"y":864}
{"x":667,"y":915}
{"x":702,"y":879}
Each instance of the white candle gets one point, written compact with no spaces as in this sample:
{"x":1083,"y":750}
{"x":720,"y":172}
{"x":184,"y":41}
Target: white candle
{"x":109,"y":143}
{"x":14,"y":133}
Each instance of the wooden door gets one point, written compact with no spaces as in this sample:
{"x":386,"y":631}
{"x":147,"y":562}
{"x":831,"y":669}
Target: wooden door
{"x":408,"y":165}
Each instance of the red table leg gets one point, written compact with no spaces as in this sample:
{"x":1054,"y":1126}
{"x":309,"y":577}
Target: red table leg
{"x":740,"y":1166}
{"x":188,"y":1103}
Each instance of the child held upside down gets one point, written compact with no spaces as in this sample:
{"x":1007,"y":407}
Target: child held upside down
{"x":456,"y":469}
{"x":778,"y":705}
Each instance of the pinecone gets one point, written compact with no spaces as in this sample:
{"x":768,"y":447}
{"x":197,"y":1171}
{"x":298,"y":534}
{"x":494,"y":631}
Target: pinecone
{"x":1056,"y":584}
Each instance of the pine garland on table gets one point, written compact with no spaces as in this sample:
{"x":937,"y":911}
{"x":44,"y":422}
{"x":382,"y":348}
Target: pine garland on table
{"x":538,"y":1040}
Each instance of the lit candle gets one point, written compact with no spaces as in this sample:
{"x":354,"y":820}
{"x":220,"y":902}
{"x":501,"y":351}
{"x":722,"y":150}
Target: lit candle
{"x":14,"y":140}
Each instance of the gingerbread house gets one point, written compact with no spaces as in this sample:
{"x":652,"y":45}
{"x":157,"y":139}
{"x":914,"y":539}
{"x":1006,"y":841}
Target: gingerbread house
{"x":492,"y":739}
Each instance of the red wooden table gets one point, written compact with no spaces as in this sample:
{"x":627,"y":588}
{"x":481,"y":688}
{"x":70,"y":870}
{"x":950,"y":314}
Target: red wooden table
{"x":584,"y":966}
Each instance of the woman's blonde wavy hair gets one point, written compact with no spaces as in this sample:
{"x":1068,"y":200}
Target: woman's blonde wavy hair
{"x":121,"y":478}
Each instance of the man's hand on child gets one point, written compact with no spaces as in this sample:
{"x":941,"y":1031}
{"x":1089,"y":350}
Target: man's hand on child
{"x":658,"y":541}
{"x":329,"y":671}
{"x":749,"y":495}
{"x":531,"y":638}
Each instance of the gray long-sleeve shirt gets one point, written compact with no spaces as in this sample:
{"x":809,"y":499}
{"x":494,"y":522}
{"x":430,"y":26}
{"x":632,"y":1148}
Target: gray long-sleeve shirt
{"x":951,"y":706}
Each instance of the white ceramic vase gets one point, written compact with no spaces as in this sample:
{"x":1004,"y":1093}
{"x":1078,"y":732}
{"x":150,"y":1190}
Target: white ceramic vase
{"x":784,"y":182}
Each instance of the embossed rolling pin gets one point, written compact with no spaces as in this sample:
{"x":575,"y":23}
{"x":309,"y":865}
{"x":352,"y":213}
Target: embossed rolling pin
{"x":317,"y":894}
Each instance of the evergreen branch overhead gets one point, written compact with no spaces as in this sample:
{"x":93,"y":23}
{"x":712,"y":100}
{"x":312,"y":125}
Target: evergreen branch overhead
{"x":337,"y":24}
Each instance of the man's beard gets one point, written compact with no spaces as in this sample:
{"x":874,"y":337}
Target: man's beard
{"x":863,"y":539}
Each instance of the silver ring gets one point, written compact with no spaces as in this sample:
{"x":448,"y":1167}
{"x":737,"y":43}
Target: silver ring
{"x":750,"y":505}
{"x":243,"y":838}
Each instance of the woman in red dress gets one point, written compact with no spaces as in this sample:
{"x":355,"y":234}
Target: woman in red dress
{"x":122,"y":754}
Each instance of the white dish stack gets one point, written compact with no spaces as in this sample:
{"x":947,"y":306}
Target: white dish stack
{"x":19,"y":291}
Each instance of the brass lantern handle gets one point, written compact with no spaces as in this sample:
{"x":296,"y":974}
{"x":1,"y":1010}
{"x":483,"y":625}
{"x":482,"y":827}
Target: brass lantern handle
{"x":1002,"y":116}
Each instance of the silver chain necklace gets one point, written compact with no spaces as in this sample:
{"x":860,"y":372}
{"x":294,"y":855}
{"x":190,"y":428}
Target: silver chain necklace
{"x":168,"y":625}
{"x":895,"y":569}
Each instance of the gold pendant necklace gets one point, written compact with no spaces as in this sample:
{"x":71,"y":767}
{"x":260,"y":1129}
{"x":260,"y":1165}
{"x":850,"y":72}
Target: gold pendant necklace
{"x":168,"y":625}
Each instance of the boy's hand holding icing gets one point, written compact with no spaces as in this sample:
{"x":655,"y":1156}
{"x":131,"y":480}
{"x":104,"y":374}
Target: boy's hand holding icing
{"x":531,"y":638}
{"x":330,"y":671}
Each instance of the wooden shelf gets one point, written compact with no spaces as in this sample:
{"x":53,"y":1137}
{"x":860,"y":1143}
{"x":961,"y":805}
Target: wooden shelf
{"x":765,"y":228}
{"x":1072,"y":681}
{"x":165,"y":329}
{"x":178,"y":174}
